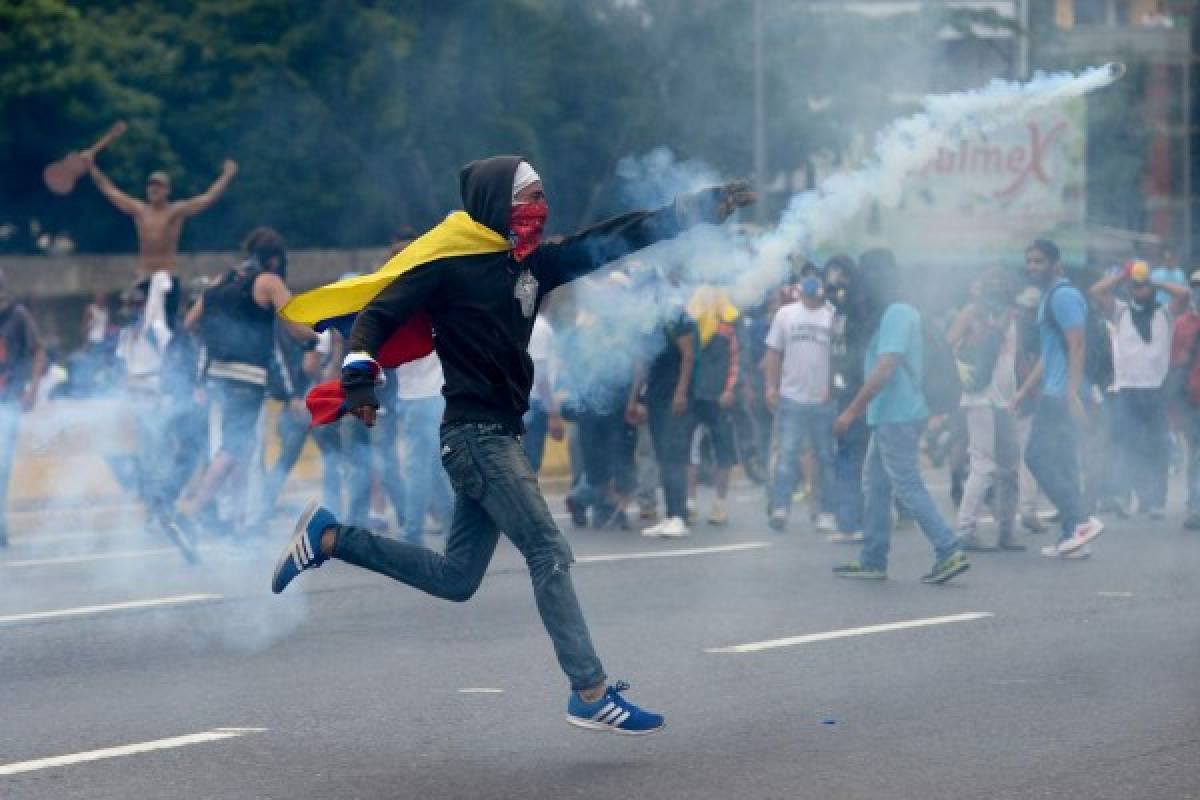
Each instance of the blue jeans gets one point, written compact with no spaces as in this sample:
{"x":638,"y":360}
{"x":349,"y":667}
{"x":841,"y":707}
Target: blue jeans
{"x":537,"y":423}
{"x":496,"y":489}
{"x":848,"y":469}
{"x":385,"y":463}
{"x":892,"y":466}
{"x":1145,"y":444}
{"x":1053,"y":457}
{"x":803,"y":427}
{"x":428,"y":487}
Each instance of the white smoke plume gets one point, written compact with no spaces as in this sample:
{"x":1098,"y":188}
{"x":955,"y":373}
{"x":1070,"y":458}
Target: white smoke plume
{"x":749,"y":268}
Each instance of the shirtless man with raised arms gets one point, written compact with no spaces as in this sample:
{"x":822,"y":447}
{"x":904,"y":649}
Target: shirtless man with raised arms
{"x":159,"y":221}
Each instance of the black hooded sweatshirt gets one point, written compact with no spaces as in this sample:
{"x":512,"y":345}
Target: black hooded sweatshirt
{"x":481,"y":331}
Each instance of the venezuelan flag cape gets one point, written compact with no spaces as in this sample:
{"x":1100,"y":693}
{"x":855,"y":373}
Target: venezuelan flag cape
{"x":336,"y":305}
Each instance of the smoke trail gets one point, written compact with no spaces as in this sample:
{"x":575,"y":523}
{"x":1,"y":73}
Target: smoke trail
{"x":751,"y":267}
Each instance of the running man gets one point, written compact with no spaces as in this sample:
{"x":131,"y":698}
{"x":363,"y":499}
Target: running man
{"x":478,"y":278}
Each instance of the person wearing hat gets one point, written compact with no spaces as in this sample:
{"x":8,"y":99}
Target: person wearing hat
{"x":158,"y":219}
{"x":1142,"y":332}
{"x":1185,"y":395}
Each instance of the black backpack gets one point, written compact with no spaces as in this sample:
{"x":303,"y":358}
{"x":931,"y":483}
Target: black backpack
{"x":939,"y":381}
{"x":1098,"y":352}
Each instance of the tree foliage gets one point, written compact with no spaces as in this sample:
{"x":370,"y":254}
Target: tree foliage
{"x":350,"y":118}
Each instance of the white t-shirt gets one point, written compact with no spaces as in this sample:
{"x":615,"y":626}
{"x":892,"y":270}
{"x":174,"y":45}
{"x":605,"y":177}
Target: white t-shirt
{"x":803,"y":336}
{"x":541,"y":350}
{"x":1138,"y":364}
{"x":420,"y":378}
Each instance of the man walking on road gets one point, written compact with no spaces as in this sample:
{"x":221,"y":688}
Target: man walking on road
{"x":1053,"y":449}
{"x":478,"y":279}
{"x":896,"y":410}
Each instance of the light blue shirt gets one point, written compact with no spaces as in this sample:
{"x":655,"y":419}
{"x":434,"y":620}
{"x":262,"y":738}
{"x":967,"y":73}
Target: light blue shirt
{"x":1070,"y":310}
{"x":901,"y":400}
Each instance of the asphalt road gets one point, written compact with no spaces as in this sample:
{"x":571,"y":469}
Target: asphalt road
{"x":1064,"y":680}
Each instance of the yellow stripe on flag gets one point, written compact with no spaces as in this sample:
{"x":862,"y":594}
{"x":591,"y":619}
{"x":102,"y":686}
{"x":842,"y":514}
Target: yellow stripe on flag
{"x":456,"y":235}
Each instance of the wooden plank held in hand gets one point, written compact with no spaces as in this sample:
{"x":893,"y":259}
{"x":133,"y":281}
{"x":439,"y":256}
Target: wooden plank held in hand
{"x":60,"y":177}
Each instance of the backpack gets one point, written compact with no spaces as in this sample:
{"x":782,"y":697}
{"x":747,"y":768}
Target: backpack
{"x":940,"y":382}
{"x":1098,"y":358}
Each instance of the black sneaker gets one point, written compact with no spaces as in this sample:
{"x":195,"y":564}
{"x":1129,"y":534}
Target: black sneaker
{"x":953,"y":564}
{"x":578,"y":513}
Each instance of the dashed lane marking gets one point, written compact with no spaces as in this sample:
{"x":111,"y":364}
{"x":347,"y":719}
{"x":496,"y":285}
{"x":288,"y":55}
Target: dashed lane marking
{"x":83,"y":558}
{"x":215,"y":735}
{"x":480,"y":690}
{"x":692,"y":551}
{"x":82,"y":611}
{"x":792,"y":641}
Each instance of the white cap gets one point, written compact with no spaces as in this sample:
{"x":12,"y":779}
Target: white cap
{"x":525,"y":177}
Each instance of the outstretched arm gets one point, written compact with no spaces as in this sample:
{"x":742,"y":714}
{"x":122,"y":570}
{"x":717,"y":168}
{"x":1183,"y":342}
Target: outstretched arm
{"x":123,"y":202}
{"x":194,"y":205}
{"x":588,"y":250}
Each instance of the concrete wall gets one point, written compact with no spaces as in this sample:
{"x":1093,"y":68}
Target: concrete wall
{"x":51,"y":277}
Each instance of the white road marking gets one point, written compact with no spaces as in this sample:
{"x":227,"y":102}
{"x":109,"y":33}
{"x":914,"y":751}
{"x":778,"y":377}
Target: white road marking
{"x":792,"y":641}
{"x":154,"y":602}
{"x":84,"y":558}
{"x":1115,"y":594}
{"x":214,"y":735}
{"x":480,"y":690}
{"x":694,"y":551}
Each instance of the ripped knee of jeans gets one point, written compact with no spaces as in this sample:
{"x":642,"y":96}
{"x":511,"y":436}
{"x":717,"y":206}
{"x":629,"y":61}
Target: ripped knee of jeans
{"x":549,"y":562}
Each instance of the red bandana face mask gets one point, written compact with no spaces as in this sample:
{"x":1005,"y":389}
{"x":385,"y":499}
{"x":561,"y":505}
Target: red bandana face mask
{"x":528,"y":220}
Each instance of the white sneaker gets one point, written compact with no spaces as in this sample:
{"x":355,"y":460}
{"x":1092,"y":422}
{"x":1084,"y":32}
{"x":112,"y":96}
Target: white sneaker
{"x":674,"y":527}
{"x":656,"y":529}
{"x":1054,"y":551}
{"x":826,"y":522}
{"x":1084,"y":533}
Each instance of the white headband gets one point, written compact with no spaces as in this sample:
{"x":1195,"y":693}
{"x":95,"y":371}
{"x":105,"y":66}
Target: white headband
{"x":525,"y":176}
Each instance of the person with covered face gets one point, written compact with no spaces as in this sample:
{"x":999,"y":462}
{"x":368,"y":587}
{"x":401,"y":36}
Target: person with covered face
{"x":476,"y":280}
{"x":235,"y":321}
{"x":1142,"y":332}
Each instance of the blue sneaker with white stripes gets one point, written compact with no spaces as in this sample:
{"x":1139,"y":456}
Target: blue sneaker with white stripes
{"x":613,"y":713}
{"x":304,"y":549}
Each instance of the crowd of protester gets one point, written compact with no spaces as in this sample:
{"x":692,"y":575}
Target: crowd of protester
{"x":1082,"y":390}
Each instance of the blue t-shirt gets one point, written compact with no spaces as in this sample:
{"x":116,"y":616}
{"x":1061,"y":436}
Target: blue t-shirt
{"x":1070,"y":309}
{"x":901,"y":400}
{"x":1167,"y":275}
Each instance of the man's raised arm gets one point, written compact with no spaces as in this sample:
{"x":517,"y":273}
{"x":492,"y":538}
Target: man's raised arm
{"x":194,"y":205}
{"x":121,"y":201}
